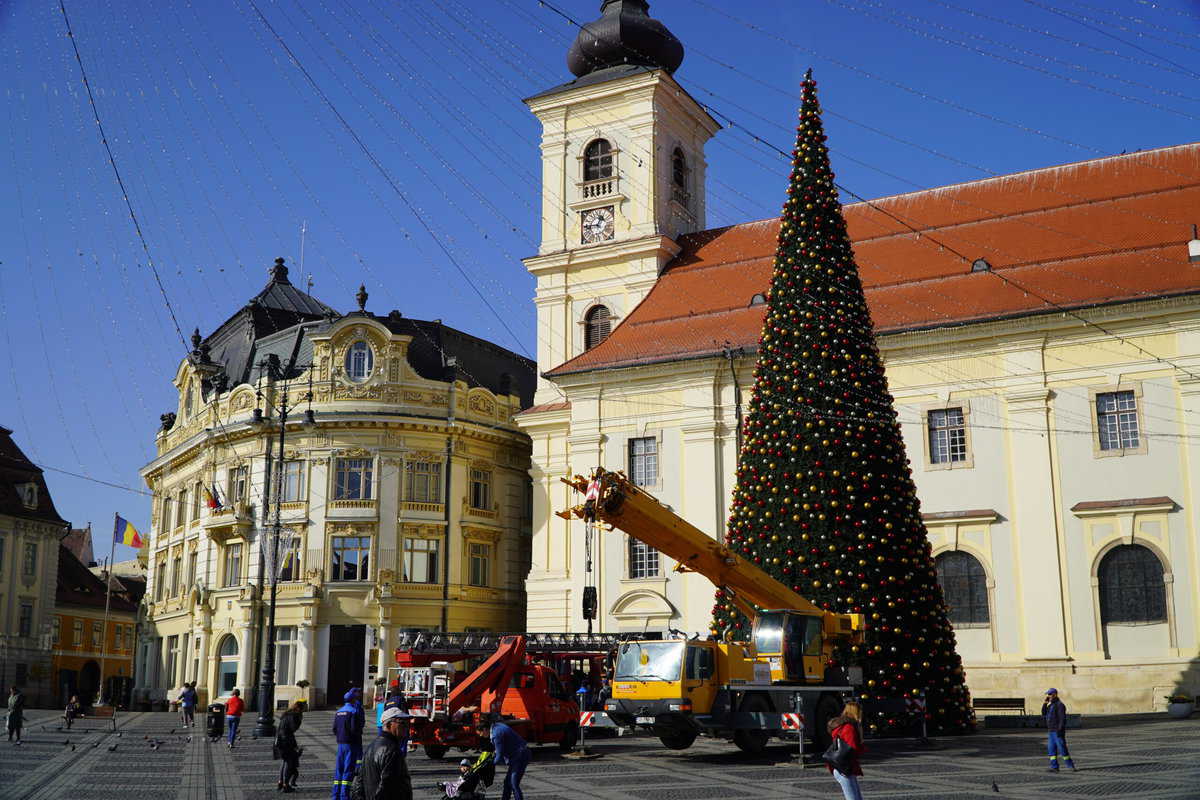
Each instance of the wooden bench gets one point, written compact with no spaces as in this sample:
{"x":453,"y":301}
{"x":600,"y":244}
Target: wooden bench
{"x":99,"y":712}
{"x":1012,"y":705}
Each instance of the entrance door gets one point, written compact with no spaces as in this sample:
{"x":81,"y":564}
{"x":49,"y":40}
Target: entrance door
{"x":347,"y":654}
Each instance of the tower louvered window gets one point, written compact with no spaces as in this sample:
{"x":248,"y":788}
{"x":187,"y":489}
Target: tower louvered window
{"x":597,"y":325}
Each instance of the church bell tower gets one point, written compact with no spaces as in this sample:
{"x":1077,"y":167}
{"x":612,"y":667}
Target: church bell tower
{"x":622,"y":178}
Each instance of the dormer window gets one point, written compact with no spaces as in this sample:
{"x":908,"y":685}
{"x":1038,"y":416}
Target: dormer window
{"x":29,"y":494}
{"x":189,"y":400}
{"x":597,"y":324}
{"x":360,"y":361}
{"x":598,"y":160}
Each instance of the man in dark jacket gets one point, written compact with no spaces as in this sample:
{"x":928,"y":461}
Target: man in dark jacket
{"x":1054,"y":712}
{"x":348,"y":725}
{"x":384,"y":771}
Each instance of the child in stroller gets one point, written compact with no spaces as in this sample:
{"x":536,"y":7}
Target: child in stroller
{"x":473,"y":778}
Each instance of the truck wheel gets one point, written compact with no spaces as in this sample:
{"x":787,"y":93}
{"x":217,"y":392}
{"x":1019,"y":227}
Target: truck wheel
{"x":436,"y":751}
{"x":828,"y":707}
{"x":570,"y":737}
{"x":677,"y":739}
{"x":751,"y":741}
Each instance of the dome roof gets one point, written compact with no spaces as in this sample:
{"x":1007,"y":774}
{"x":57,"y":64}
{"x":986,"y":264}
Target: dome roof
{"x":624,"y":34}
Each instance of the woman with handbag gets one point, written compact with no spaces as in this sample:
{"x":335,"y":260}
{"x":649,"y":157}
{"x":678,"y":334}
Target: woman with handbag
{"x":287,"y":749}
{"x":845,"y":749}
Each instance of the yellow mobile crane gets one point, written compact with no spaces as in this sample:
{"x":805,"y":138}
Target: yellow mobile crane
{"x":744,"y":691}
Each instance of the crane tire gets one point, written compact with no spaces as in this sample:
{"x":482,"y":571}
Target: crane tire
{"x":677,"y":739}
{"x":752,"y":742}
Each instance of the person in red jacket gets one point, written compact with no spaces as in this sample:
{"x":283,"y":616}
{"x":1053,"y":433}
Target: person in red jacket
{"x":847,"y":727}
{"x":233,"y":715}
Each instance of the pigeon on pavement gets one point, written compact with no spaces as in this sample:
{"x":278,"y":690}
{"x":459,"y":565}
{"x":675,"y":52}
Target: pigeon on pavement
{"x":995,"y":788}
{"x":111,"y":749}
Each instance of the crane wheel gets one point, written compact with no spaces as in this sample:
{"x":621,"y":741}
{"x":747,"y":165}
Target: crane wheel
{"x":749,"y":741}
{"x":570,"y":738}
{"x":677,"y":739}
{"x":436,"y":751}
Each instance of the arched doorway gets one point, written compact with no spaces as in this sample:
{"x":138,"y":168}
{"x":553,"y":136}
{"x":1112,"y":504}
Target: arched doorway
{"x":227,"y":669}
{"x":89,"y":683}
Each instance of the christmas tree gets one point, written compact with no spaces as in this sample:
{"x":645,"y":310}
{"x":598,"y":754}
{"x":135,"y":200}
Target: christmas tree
{"x":825,"y":500}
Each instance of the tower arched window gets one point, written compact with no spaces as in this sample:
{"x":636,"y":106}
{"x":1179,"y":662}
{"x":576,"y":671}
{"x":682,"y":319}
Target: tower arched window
{"x":679,"y":170}
{"x":1131,"y":586}
{"x":964,"y":587}
{"x":598,"y":160}
{"x":189,"y":400}
{"x":359,"y":361}
{"x":597,"y":324}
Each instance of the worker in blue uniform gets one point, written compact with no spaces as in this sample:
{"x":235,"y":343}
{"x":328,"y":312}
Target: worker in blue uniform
{"x":348,"y":725}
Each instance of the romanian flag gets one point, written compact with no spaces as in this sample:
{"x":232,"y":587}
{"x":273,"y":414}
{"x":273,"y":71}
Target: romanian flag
{"x":124,"y":533}
{"x":211,"y":498}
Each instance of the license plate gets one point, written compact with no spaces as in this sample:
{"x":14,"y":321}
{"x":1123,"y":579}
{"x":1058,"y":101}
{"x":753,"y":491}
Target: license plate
{"x":645,"y":720}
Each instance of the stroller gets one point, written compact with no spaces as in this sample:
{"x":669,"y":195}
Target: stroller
{"x":474,"y":777}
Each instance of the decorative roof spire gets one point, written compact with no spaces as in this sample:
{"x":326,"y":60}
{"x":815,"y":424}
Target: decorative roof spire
{"x":279,"y":272}
{"x":361,"y":296}
{"x":624,"y":34}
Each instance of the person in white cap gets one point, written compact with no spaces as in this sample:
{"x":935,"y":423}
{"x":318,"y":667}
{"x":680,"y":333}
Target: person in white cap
{"x":384,"y":771}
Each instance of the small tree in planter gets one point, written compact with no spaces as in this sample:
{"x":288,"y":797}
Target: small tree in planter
{"x":1180,"y":705}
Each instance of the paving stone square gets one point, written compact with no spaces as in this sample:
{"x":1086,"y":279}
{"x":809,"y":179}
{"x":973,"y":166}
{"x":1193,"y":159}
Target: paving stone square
{"x":1143,"y":756}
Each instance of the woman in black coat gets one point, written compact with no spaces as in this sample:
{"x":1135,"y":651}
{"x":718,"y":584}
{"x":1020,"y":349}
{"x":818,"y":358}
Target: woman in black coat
{"x":286,"y":747}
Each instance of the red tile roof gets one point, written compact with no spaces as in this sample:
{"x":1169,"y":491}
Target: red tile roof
{"x":1095,"y":232}
{"x":560,"y":406}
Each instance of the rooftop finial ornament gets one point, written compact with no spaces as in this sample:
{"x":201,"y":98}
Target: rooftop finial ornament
{"x":361,"y":297}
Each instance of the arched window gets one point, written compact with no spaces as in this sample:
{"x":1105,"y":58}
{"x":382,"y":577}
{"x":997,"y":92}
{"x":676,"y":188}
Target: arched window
{"x":679,"y":170}
{"x":359,"y":362}
{"x":964,"y":586}
{"x":598,"y":160}
{"x":227,"y":670}
{"x":596,"y":326}
{"x":1131,"y":586}
{"x":189,"y":400}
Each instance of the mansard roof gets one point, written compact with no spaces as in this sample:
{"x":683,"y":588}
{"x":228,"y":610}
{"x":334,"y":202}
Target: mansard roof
{"x":1108,"y":230}
{"x":16,"y":470}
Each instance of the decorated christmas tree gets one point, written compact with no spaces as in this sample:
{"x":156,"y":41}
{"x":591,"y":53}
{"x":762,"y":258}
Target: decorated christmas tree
{"x":825,"y":500}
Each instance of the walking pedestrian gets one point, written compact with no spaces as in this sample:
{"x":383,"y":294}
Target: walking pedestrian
{"x":287,"y":748}
{"x":848,"y":728}
{"x":71,"y":711}
{"x":1054,"y":712}
{"x":348,"y":724}
{"x":384,"y":773}
{"x":511,"y":750}
{"x":233,"y":714}
{"x":16,"y":714}
{"x":187,"y":704}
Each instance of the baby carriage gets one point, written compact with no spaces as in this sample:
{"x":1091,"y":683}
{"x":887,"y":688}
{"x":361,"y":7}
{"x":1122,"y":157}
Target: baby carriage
{"x":474,"y":777}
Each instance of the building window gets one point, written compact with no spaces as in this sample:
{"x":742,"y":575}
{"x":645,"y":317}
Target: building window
{"x":643,"y":460}
{"x":164,"y":517}
{"x":172,"y":659}
{"x":360,"y":361}
{"x":293,"y":481}
{"x":77,"y":633}
{"x":195,"y":657}
{"x":643,"y":560}
{"x":947,"y":436}
{"x":354,"y":478}
{"x":964,"y":588}
{"x":424,"y":481}
{"x":285,"y":655}
{"x":421,"y":560}
{"x":597,"y":324}
{"x":160,"y":580}
{"x":196,"y":492}
{"x":351,"y":557}
{"x":189,"y":401}
{"x":55,"y":629}
{"x":239,"y":484}
{"x":227,"y":670}
{"x":176,"y":575}
{"x":480,"y":556}
{"x":29,"y":563}
{"x":598,"y":160}
{"x":97,"y":635}
{"x":181,"y":508}
{"x":1117,"y":421}
{"x":191,"y":572}
{"x":679,"y":178}
{"x":1131,"y":586}
{"x":289,"y":555}
{"x":481,"y":489}
{"x":233,"y":564}
{"x":118,"y":644}
{"x":25,"y":620}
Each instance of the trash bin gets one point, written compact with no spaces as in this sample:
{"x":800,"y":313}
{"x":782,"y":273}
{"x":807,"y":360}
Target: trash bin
{"x":215,"y":724}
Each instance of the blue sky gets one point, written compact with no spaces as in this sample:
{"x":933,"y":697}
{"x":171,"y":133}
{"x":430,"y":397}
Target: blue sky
{"x":226,"y":152}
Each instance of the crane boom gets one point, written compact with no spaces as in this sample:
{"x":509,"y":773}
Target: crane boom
{"x":615,"y":500}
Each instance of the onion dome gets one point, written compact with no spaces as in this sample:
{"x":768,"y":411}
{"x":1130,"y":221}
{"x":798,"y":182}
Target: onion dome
{"x":624,"y":34}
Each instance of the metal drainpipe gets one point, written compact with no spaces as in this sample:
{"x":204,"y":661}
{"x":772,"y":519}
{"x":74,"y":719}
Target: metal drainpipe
{"x":452,"y":364}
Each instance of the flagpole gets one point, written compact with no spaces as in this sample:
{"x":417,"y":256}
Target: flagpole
{"x":112,"y":548}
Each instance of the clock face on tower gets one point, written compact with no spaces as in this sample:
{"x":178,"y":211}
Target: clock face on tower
{"x":597,"y":224}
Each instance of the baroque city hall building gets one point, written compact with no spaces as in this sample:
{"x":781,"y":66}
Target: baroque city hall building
{"x":403,"y":497}
{"x":1048,"y":384}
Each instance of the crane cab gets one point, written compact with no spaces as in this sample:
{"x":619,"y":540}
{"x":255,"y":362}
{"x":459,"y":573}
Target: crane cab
{"x":793,"y":643}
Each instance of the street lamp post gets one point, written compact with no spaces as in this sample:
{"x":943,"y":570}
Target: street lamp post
{"x":265,"y":725}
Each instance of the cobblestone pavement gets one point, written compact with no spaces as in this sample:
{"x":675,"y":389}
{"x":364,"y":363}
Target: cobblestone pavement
{"x":1147,"y":756}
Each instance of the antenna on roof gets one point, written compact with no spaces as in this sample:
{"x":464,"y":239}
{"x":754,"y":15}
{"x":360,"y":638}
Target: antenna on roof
{"x":303,"y":230}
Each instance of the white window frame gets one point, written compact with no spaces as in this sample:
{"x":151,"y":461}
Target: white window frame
{"x":1094,"y":399}
{"x":927,"y":411}
{"x":423,"y":481}
{"x":232,"y":556}
{"x":643,"y":562}
{"x":631,"y":444}
{"x":431,"y":550}
{"x":286,"y":644}
{"x":364,"y":468}
{"x":238,"y":487}
{"x":359,"y":363}
{"x":294,"y":481}
{"x":362,"y":546}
